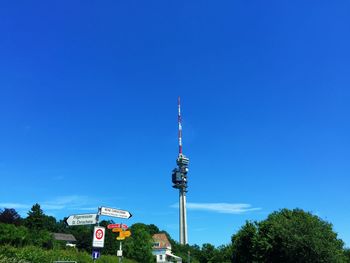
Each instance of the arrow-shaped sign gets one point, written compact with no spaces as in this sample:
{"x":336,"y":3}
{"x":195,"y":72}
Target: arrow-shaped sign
{"x":83,"y":219}
{"x":122,"y":233}
{"x":106,"y":211}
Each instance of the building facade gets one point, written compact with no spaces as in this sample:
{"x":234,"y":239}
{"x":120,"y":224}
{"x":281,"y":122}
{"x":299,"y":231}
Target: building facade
{"x":162,"y":249}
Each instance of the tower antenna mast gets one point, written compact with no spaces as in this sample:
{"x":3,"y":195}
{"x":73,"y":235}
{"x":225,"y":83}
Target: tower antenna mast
{"x":179,"y":125}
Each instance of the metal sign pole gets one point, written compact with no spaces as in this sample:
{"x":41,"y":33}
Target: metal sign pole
{"x":120,"y":249}
{"x":98,"y":224}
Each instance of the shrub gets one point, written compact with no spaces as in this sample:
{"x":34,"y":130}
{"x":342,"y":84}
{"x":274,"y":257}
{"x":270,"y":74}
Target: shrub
{"x":32,"y":254}
{"x":4,"y":259}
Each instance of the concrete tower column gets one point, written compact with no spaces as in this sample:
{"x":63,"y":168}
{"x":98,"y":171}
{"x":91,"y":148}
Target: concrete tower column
{"x":181,"y":222}
{"x":185,"y":241}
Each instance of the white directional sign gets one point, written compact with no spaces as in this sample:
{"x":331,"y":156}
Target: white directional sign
{"x":105,"y":211}
{"x":83,"y":219}
{"x":99,"y":237}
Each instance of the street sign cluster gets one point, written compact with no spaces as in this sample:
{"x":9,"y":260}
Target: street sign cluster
{"x":99,"y":232}
{"x":91,"y":219}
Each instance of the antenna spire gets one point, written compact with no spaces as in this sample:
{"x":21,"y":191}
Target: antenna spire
{"x":180,"y":126}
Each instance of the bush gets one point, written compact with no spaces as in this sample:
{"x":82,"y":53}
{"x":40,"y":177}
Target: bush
{"x":33,"y":254}
{"x":12,"y":235}
{"x":4,"y":259}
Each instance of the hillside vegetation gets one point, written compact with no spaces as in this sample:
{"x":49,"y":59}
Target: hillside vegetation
{"x":285,"y":236}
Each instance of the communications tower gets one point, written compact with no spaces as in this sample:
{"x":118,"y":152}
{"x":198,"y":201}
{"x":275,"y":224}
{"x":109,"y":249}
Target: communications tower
{"x":179,"y":179}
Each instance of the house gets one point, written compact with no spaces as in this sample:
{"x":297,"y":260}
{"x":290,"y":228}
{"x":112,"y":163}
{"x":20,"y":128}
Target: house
{"x":162,"y":249}
{"x":68,"y":238}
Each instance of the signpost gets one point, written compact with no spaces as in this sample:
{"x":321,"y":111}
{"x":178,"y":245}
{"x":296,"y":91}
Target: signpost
{"x":99,"y":237}
{"x":83,"y":219}
{"x":120,"y":252}
{"x":106,"y":211}
{"x":123,"y":233}
{"x":99,"y":232}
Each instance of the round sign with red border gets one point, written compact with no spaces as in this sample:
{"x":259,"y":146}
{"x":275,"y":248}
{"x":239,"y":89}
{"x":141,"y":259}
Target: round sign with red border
{"x":98,"y":237}
{"x":99,"y":234}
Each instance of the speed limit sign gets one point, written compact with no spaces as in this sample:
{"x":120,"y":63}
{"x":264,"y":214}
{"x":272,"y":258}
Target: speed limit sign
{"x":99,"y":237}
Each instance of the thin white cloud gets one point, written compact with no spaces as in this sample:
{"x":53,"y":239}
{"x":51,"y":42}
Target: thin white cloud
{"x":52,"y":207}
{"x":14,"y":205}
{"x":87,"y":208}
{"x":66,"y":202}
{"x":223,"y":208}
{"x":69,"y":202}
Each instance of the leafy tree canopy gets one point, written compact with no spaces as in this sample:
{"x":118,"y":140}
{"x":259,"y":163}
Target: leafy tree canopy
{"x":10,"y":216}
{"x":288,"y":236}
{"x":139,"y":245}
{"x":36,"y":218}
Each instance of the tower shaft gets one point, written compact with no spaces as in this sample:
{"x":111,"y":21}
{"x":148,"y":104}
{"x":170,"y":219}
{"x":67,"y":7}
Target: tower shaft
{"x":183,"y":217}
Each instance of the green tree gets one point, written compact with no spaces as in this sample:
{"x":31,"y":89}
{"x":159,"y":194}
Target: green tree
{"x":50,"y":223}
{"x":61,"y":226}
{"x":41,"y":238}
{"x":289,"y":236}
{"x":182,"y":251}
{"x":243,"y":244}
{"x":347,"y":255}
{"x":152,"y":229}
{"x":224,"y":253}
{"x":208,"y":253}
{"x":139,"y":245}
{"x":36,"y":218}
{"x":12,"y":235}
{"x":83,"y":235}
{"x":10,"y":216}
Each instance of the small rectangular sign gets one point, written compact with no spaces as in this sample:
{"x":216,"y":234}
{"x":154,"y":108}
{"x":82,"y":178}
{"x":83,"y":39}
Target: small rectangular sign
{"x":106,"y":211}
{"x":95,"y":254}
{"x":83,"y":219}
{"x":99,"y":236}
{"x":123,"y":226}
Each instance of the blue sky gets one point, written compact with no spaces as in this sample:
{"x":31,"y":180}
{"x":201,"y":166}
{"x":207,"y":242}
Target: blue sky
{"x":88,"y":109}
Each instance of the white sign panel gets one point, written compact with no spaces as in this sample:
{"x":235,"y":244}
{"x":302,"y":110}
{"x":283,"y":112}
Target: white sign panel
{"x":99,"y":237}
{"x":105,"y":211}
{"x":83,"y":219}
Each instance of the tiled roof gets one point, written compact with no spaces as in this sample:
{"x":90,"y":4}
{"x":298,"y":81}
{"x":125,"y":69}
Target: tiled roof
{"x":64,"y":237}
{"x":162,"y":239}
